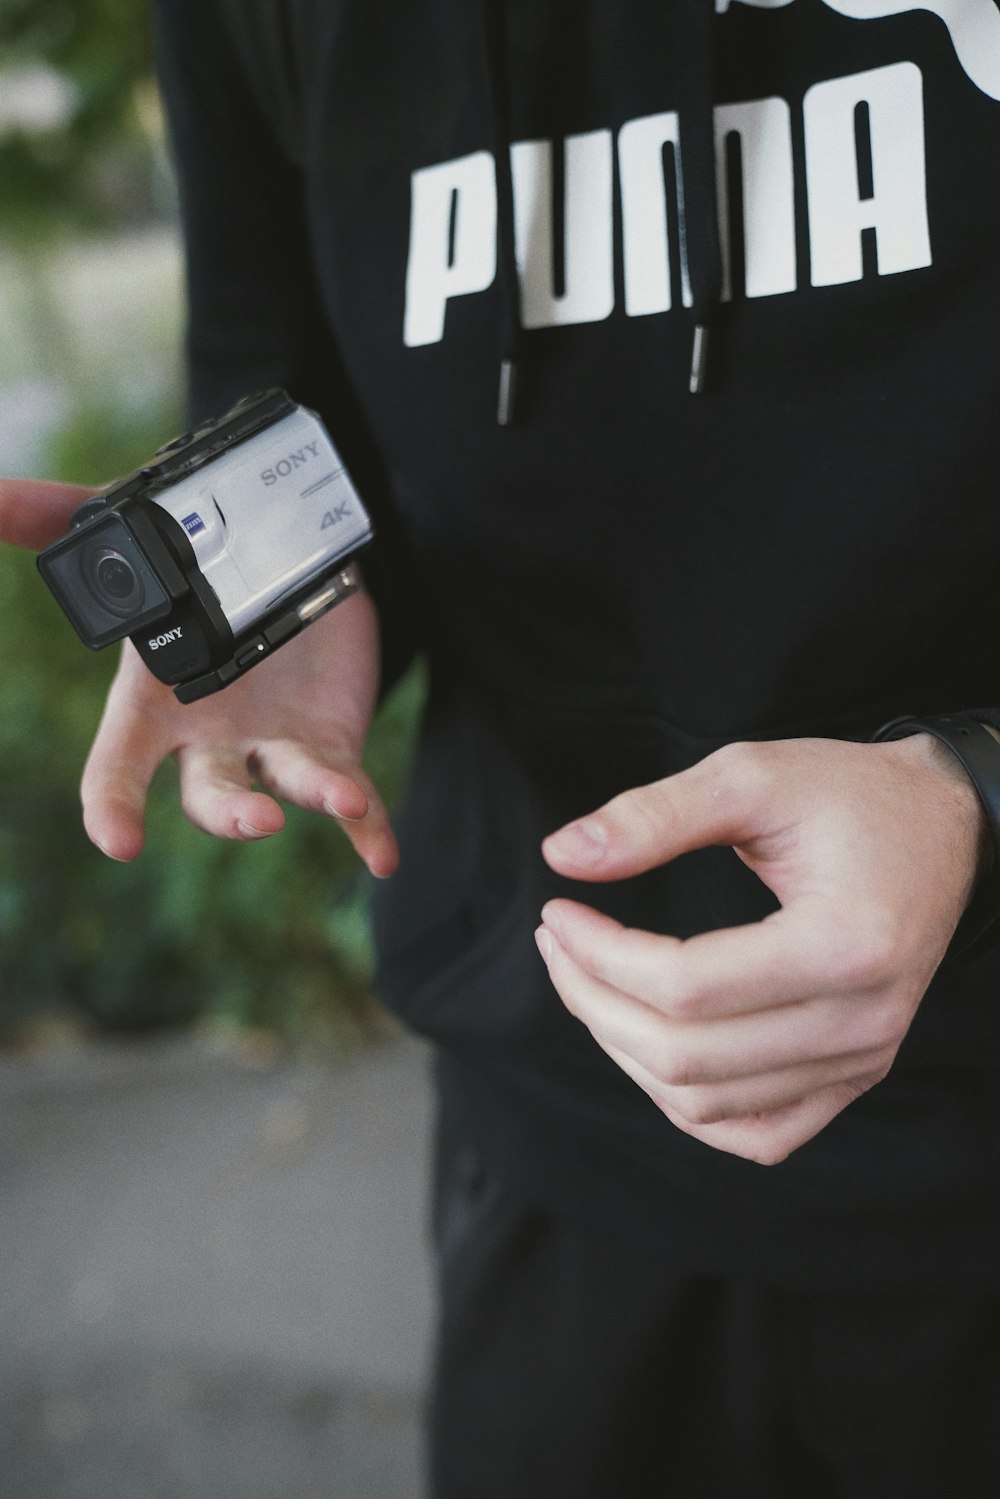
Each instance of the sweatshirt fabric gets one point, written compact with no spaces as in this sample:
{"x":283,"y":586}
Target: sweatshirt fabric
{"x":390,"y":208}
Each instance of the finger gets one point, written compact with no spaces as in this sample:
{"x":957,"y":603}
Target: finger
{"x":123,"y":759}
{"x":721,"y":800}
{"x":767,"y":1092}
{"x":217,"y":797}
{"x":783,"y":959}
{"x":765,"y":1137}
{"x":684,"y":1054}
{"x":114,"y":808}
{"x":770,"y":1138}
{"x":34,"y":512}
{"x":292,"y":771}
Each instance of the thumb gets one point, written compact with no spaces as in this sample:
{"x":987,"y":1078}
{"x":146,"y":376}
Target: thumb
{"x":34,"y":512}
{"x":718,"y":801}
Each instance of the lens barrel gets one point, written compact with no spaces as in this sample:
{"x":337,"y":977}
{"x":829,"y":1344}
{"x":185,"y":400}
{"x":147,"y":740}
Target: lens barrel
{"x":113,"y":581}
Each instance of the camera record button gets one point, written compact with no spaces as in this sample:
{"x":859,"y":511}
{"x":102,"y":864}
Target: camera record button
{"x":175,"y":443}
{"x":250,"y":653}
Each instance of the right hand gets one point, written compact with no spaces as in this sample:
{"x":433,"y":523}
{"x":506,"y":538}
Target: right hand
{"x":296,"y":724}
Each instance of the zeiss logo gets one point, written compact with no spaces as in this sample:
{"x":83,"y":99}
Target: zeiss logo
{"x":193,"y":524}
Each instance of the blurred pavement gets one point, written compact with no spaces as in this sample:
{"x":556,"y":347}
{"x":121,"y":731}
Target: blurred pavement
{"x":213,"y":1274}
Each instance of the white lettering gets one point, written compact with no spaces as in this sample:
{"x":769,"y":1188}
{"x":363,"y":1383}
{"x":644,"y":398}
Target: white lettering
{"x":764,"y":127}
{"x":644,"y":212}
{"x":453,"y":219}
{"x":973,"y":25}
{"x":897,"y":209}
{"x":453,"y":215}
{"x":161,"y":640}
{"x":588,"y":258}
{"x":284,"y":466}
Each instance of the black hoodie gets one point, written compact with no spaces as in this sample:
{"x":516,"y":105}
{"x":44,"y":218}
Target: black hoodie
{"x":394,"y":208}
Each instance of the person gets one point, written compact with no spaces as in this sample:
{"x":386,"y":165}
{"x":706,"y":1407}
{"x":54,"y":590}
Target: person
{"x":660,"y":339}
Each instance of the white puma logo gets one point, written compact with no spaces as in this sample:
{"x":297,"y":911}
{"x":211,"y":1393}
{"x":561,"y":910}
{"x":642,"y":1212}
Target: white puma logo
{"x":973,"y":25}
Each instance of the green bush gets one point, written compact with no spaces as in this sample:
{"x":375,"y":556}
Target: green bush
{"x":271,"y":934}
{"x":92,"y":168}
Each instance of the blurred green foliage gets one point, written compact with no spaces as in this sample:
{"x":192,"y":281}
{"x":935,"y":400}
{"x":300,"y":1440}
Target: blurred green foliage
{"x":272,"y":934}
{"x":89,"y":166}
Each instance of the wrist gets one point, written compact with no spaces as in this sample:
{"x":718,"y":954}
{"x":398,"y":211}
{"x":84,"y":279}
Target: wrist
{"x":967,"y":753}
{"x":924,"y":753}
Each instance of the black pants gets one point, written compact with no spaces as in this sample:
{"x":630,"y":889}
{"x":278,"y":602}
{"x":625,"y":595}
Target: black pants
{"x":573,"y":1365}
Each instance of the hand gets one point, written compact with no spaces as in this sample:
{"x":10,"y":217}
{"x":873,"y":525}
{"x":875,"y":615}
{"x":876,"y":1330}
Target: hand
{"x":753,"y":1038}
{"x":296,"y":724}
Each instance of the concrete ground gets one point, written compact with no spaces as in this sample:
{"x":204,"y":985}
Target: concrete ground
{"x":213,"y":1276}
{"x":213,"y":1273}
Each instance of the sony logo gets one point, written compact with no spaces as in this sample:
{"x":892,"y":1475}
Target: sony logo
{"x":284,"y":466}
{"x":158,"y":640}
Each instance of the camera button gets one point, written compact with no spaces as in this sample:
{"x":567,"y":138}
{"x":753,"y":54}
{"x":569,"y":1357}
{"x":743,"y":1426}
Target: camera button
{"x":253,"y":651}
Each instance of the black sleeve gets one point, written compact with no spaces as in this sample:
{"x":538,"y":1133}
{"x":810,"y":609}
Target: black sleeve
{"x":255,"y":315}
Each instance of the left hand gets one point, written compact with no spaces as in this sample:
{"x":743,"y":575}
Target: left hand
{"x":295,"y":725}
{"x":753,"y":1038}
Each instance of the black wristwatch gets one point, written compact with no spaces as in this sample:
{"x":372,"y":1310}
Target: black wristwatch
{"x":978,"y":752}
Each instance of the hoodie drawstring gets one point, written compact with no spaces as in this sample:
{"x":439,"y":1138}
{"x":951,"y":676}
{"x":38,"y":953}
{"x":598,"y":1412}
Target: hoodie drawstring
{"x":498,"y":94}
{"x":697,"y":189}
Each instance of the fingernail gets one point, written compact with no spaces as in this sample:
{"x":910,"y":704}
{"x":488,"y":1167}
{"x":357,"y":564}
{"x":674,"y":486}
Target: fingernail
{"x":109,"y":855}
{"x":333,"y":811}
{"x":546,"y":946}
{"x":583,"y":842}
{"x":249,"y":831}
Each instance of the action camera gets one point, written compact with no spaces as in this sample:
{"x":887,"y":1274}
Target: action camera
{"x":229,"y":542}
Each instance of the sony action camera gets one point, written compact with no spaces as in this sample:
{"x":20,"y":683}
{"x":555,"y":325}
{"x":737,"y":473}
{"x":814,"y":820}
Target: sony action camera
{"x":229,"y":542}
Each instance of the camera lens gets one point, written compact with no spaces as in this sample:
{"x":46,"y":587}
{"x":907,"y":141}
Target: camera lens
{"x":113,"y":581}
{"x":116,"y":577}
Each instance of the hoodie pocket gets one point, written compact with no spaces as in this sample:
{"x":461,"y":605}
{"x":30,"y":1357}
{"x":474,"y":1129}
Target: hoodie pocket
{"x":454,"y":927}
{"x":461,"y":905}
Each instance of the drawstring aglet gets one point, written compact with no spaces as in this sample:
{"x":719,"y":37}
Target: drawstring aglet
{"x":699,"y":359}
{"x":507,"y":394}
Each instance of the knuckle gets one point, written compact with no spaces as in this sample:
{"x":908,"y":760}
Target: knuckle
{"x":768,"y":1152}
{"x":874,"y":1031}
{"x":683,"y":996}
{"x":701,"y":1106}
{"x":675,"y":1068}
{"x":882,"y":1066}
{"x":857,"y":1088}
{"x":651,"y":809}
{"x":880,"y":1071}
{"x":889,"y":1025}
{"x":874,"y":957}
{"x":746,"y":764}
{"x":878,"y":1059}
{"x":681,"y":1005}
{"x":865,"y":1029}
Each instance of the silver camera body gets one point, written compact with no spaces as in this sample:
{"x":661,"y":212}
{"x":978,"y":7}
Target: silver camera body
{"x":229,"y":542}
